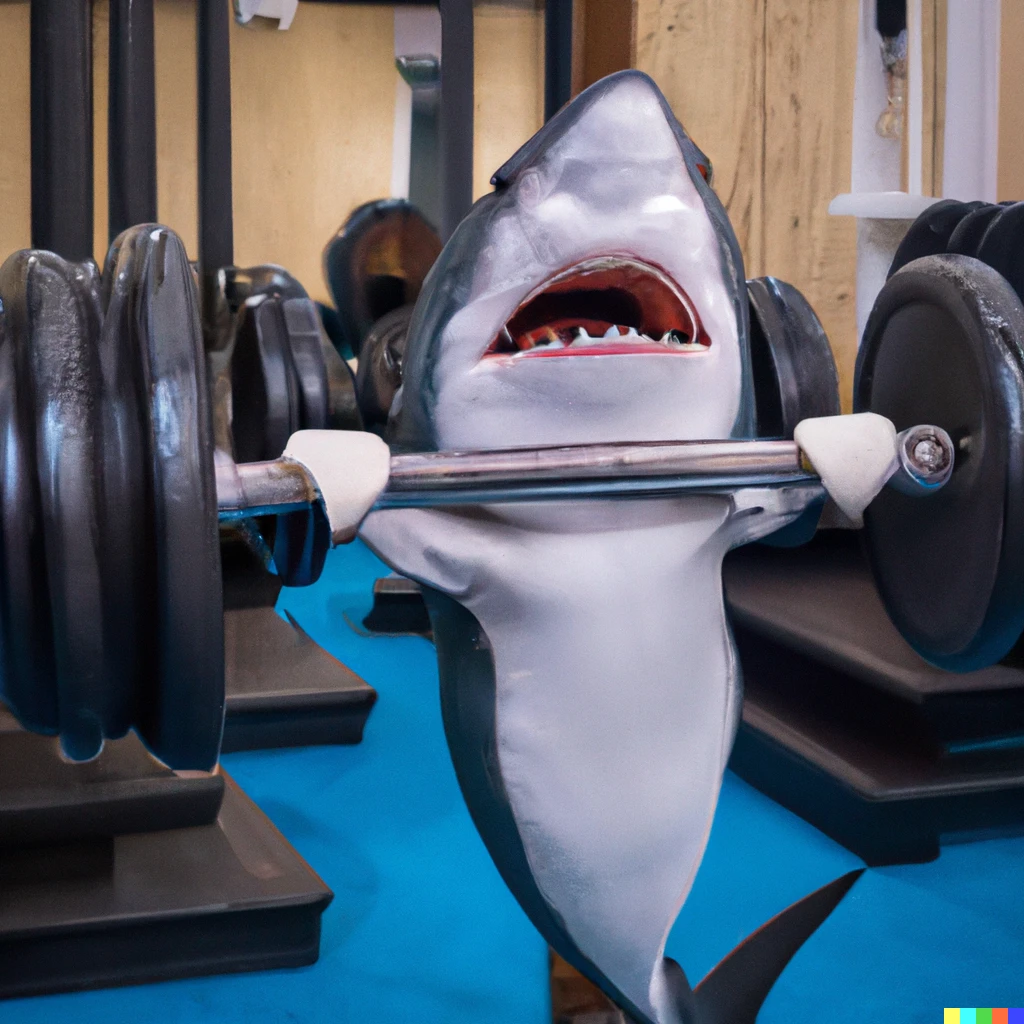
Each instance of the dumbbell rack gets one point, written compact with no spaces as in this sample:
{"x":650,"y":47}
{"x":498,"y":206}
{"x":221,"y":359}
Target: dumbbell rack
{"x":845,"y":724}
{"x":119,"y":871}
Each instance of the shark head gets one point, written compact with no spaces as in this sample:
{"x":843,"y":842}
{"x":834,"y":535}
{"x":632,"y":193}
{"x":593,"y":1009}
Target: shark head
{"x":596,"y":295}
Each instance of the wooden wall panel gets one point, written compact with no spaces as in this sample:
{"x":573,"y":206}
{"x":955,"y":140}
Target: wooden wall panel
{"x":508,"y":84}
{"x":312,"y":112}
{"x":811,"y":48}
{"x":604,"y":39}
{"x":1010,"y":182}
{"x":708,"y":58}
{"x":766,"y":88}
{"x":15,"y":183}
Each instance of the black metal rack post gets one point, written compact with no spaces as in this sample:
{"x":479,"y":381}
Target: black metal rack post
{"x":131,"y":127}
{"x":456,"y":112}
{"x":557,"y":56}
{"x":216,"y":226}
{"x":61,"y":98}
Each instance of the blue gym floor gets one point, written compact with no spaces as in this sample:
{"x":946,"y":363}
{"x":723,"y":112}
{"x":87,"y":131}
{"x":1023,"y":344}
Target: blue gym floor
{"x":423,"y":931}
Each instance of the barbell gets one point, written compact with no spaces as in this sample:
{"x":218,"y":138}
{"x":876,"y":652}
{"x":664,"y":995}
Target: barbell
{"x":925,"y":463}
{"x":110,"y":591}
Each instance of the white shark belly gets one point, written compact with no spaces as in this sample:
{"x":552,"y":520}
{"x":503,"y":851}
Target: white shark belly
{"x":615,"y":690}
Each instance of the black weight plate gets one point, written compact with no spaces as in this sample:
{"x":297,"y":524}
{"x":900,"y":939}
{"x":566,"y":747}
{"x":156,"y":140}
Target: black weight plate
{"x":28,"y":684}
{"x":242,"y":283}
{"x":279,"y":385}
{"x":967,"y":235}
{"x":302,"y":539}
{"x":377,"y":262}
{"x":1002,"y":248}
{"x":379,"y":373}
{"x":930,"y":233}
{"x":264,"y":389}
{"x":943,"y":346}
{"x":302,"y":328}
{"x":794,"y":370}
{"x":62,"y":338}
{"x":129,"y":572}
{"x":794,"y":377}
{"x":183,"y":722}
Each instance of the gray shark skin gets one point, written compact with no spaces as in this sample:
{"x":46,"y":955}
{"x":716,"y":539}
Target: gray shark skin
{"x":589,"y":684}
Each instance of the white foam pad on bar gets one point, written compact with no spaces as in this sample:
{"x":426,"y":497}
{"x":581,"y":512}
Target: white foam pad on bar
{"x":854,"y":456}
{"x":350,"y":469}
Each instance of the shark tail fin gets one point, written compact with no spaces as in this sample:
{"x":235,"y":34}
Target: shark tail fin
{"x":734,"y":991}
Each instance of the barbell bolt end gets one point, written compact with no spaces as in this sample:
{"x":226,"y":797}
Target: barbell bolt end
{"x":926,"y":457}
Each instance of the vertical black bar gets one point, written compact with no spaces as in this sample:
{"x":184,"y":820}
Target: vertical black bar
{"x":456,"y":112}
{"x":61,"y":98}
{"x":216,"y":229}
{"x":557,"y":55}
{"x":131,"y":124}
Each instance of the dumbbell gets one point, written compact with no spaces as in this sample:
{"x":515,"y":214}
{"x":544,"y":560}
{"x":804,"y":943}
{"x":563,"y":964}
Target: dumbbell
{"x":375,"y":266}
{"x":284,"y":376}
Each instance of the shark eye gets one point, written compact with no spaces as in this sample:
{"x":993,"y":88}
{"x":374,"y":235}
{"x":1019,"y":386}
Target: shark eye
{"x":609,"y":305}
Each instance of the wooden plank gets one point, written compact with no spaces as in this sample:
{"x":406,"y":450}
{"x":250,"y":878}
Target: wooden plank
{"x":811,"y":50}
{"x":312,"y":113}
{"x":1010,"y":179}
{"x":508,"y":84}
{"x":604,"y":39}
{"x":708,"y":57}
{"x":15,"y":153}
{"x":933,"y":49}
{"x":176,"y":167}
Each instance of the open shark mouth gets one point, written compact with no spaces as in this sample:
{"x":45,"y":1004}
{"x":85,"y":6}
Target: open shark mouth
{"x":605,"y":306}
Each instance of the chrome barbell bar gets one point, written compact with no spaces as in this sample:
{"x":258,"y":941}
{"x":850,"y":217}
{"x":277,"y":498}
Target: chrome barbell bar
{"x":926,"y":458}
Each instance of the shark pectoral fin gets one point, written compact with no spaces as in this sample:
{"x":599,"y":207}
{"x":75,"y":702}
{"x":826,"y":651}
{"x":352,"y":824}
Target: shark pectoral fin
{"x":759,"y":511}
{"x":407,"y":540}
{"x":734,"y":991}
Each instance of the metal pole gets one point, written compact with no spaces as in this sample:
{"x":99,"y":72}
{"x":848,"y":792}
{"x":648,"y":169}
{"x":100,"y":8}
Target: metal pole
{"x":557,"y":55}
{"x":61,"y":100}
{"x":216,"y":228}
{"x":131,"y":128}
{"x":456,"y":112}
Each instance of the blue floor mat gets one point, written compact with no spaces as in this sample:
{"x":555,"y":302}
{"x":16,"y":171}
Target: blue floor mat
{"x":423,"y":931}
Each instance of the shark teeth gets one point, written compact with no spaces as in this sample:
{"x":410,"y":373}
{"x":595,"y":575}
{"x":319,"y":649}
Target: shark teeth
{"x":616,"y":335}
{"x":548,"y":339}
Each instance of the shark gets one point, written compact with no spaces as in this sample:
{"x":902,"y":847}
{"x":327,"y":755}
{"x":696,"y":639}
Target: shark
{"x":590,"y":688}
